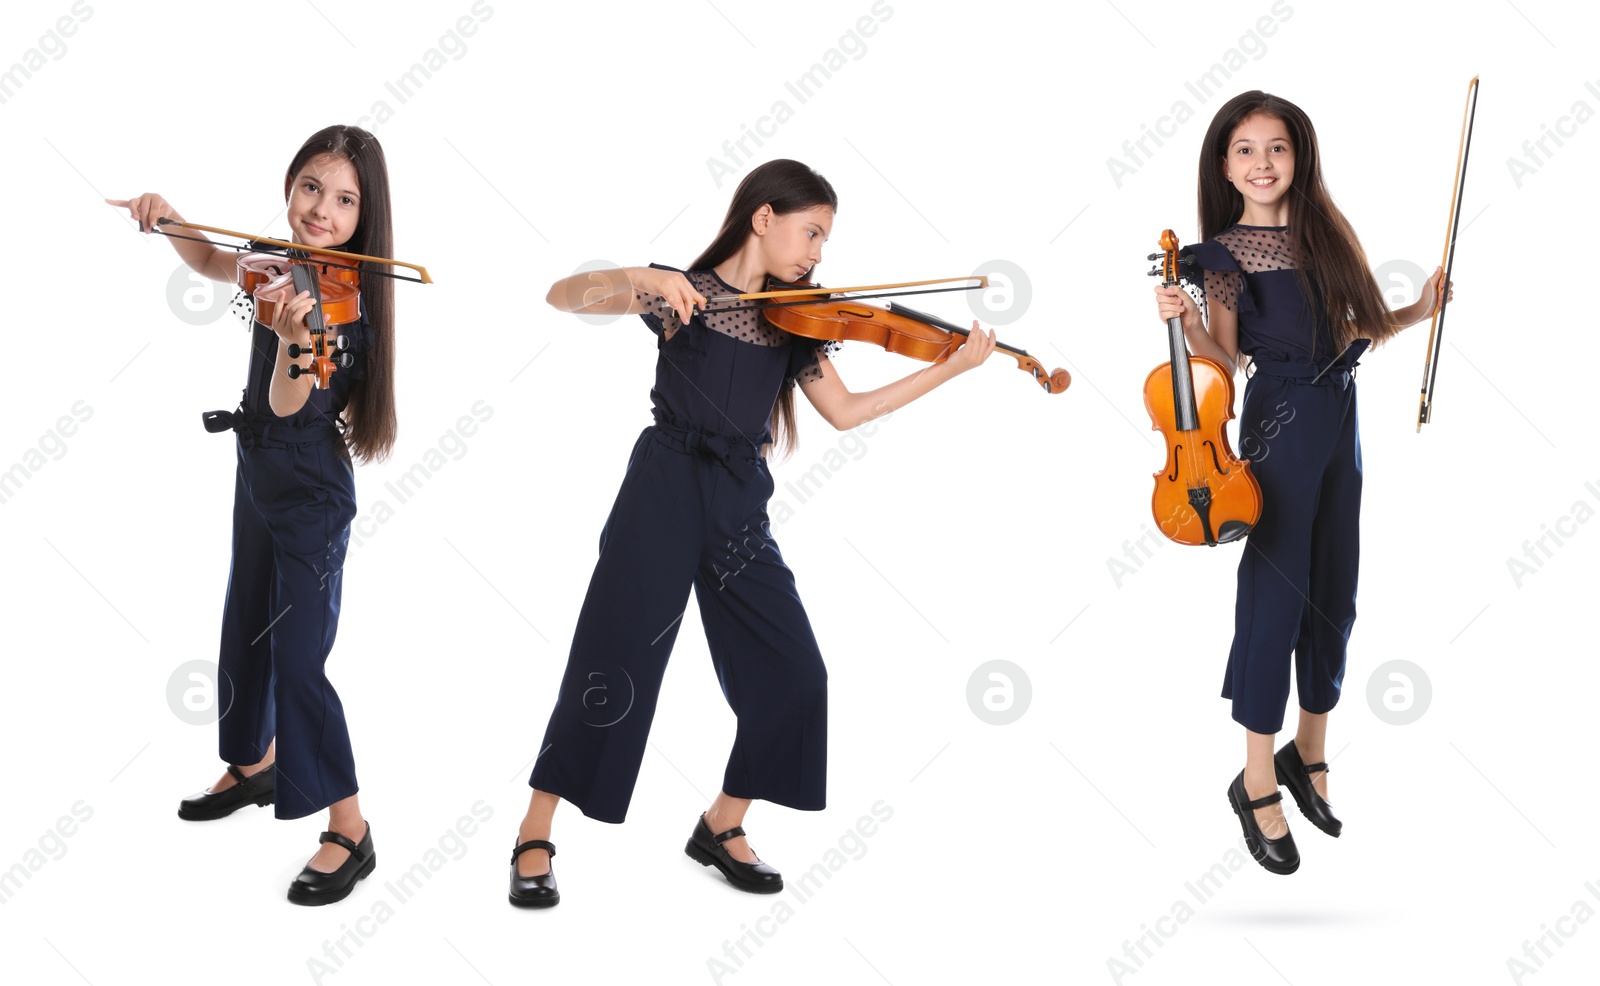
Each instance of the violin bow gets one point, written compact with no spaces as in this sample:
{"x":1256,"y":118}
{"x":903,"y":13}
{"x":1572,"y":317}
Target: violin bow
{"x":811,"y":295}
{"x":1430,"y":367}
{"x":285,"y":245}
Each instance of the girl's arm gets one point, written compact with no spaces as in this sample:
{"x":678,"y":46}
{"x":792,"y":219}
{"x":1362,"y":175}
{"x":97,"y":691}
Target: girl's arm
{"x":1219,"y":341}
{"x":845,"y":409}
{"x":217,"y":263}
{"x":1422,"y":310}
{"x":616,"y":292}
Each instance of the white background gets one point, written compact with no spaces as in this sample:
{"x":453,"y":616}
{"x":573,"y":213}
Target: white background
{"x":976,"y":525}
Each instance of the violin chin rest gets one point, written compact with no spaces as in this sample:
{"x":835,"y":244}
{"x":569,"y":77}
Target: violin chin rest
{"x":1232,"y":530}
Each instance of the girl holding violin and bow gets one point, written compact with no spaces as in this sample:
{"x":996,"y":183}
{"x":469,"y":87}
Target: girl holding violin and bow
{"x":692,"y":512}
{"x":1287,"y":286}
{"x":282,"y":729}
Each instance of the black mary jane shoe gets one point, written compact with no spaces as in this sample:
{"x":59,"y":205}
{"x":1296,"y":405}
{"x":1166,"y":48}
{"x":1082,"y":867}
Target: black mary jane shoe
{"x":1296,"y":776}
{"x":534,"y":891}
{"x":1275,"y":855}
{"x":706,"y":849}
{"x":313,"y":887}
{"x":257,"y":789}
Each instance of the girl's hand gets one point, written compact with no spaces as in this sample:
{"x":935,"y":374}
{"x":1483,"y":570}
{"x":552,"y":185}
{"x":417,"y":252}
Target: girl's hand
{"x":290,"y":322}
{"x":1430,"y":294}
{"x":1174,"y":302}
{"x":146,"y":209}
{"x":978,"y":347}
{"x":672,"y":286}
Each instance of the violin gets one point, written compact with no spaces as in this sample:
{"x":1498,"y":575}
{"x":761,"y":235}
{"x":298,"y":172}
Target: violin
{"x":273,"y":281}
{"x":896,"y":329}
{"x":1204,"y":495}
{"x":273,"y":278}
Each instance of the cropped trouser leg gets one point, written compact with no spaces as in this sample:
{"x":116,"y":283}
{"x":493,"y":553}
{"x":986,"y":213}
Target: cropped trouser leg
{"x":1297,"y":574}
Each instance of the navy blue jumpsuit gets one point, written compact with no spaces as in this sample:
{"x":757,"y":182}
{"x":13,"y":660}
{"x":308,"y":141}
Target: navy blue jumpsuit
{"x":692,"y":511}
{"x":1297,"y":576}
{"x":293,"y":503}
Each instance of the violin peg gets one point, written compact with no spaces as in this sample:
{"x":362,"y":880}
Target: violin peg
{"x":295,"y":369}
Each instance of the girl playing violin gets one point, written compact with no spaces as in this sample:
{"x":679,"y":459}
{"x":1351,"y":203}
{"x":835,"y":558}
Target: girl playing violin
{"x":1302,"y":325}
{"x":692,"y":511}
{"x":294,"y":500}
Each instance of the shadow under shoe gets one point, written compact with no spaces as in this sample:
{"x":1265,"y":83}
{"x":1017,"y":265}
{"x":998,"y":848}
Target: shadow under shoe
{"x":534,"y":891}
{"x":257,"y":789}
{"x":1275,"y":855}
{"x":706,"y":849}
{"x":1296,"y":776}
{"x":314,"y":887}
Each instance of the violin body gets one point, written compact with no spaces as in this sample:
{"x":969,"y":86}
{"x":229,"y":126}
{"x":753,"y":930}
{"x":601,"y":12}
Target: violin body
{"x":1200,"y":464}
{"x":274,"y":280}
{"x":896,"y":329}
{"x":1204,"y":494}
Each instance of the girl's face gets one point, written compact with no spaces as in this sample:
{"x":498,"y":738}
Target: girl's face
{"x":792,"y":242}
{"x":1260,"y":161}
{"x":325,"y":202}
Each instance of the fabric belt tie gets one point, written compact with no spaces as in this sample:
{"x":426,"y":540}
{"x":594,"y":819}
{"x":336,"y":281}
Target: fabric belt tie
{"x":737,"y":453}
{"x":1339,"y":371}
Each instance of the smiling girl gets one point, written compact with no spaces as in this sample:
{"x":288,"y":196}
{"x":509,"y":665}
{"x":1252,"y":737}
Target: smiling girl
{"x":692,"y":512}
{"x":1287,"y":287}
{"x":282,"y":730}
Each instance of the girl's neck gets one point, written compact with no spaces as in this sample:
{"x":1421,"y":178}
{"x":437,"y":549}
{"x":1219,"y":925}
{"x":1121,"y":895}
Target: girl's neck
{"x":1276,"y":214}
{"x":744,"y":270}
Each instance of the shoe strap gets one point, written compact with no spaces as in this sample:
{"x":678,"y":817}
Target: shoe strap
{"x":238,"y":774}
{"x":1312,"y":768}
{"x":533,"y":844}
{"x":1271,"y":799}
{"x":732,"y":833}
{"x":340,"y":840}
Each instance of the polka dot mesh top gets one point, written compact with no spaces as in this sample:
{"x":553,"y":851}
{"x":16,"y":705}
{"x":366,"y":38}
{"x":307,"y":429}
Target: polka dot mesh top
{"x":1250,"y":270}
{"x":723,"y":371}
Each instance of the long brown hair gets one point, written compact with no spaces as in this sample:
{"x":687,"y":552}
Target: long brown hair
{"x":1328,"y":253}
{"x":787,"y":186}
{"x":371,"y":409}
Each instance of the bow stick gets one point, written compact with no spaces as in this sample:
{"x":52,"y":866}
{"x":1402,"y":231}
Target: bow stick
{"x":285,"y":245}
{"x":1430,"y":367}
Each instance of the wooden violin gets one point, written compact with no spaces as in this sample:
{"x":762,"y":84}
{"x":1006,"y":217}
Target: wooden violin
{"x":274,"y":277}
{"x":273,"y":281}
{"x":805,"y":310}
{"x":1204,"y":495}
